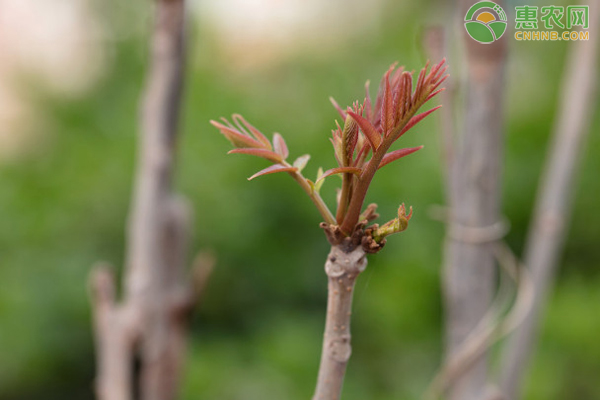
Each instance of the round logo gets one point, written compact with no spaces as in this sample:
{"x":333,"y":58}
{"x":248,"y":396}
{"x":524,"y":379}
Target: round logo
{"x":485,"y":22}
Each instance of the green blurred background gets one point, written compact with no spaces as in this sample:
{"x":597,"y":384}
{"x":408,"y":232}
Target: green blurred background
{"x":64,"y":199}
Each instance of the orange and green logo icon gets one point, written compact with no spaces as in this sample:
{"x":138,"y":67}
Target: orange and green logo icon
{"x":485,"y":22}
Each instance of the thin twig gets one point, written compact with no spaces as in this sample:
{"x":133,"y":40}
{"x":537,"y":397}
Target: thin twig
{"x":315,"y":197}
{"x":493,"y":326}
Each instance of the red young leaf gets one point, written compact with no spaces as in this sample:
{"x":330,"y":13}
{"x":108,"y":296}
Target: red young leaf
{"x":421,"y":86}
{"x":396,"y":154}
{"x":376,"y":117}
{"x":416,"y":119}
{"x":435,"y":74}
{"x":434,"y":93}
{"x":279,"y":146}
{"x":439,"y":73}
{"x":273,"y":169}
{"x":367,"y":102}
{"x":408,"y":90}
{"x":387,"y":110}
{"x":237,"y":138}
{"x":439,"y":81}
{"x":396,"y":77}
{"x":269,"y":155}
{"x":340,"y":170}
{"x":257,"y":134}
{"x":362,"y":154}
{"x":403,"y":96}
{"x":397,"y":94}
{"x":423,"y":75}
{"x":337,"y":132}
{"x":368,"y":129}
{"x":337,"y":149}
{"x":338,"y":108}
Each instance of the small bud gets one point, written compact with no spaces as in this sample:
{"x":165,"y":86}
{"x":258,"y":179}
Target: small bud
{"x":301,"y":162}
{"x":319,"y":182}
{"x":338,"y":147}
{"x":349,"y":140}
{"x":394,"y":226}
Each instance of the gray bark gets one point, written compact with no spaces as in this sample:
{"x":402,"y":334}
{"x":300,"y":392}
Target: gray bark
{"x":342,"y":269}
{"x":475,"y":193}
{"x":149,"y":324}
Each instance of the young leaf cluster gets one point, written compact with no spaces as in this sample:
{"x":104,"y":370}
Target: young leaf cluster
{"x":362,"y":145}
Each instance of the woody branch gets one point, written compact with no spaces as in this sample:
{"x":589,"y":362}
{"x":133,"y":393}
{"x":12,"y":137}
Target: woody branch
{"x":150,"y":322}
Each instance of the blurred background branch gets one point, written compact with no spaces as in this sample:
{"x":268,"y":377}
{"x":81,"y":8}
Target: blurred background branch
{"x":474,"y":191}
{"x":148,"y":325}
{"x":553,"y":207}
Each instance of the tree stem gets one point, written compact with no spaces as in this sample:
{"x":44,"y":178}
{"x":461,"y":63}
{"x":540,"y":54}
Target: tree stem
{"x":360,"y":192}
{"x":469,"y":267}
{"x":342,"y":269}
{"x":344,"y":197}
